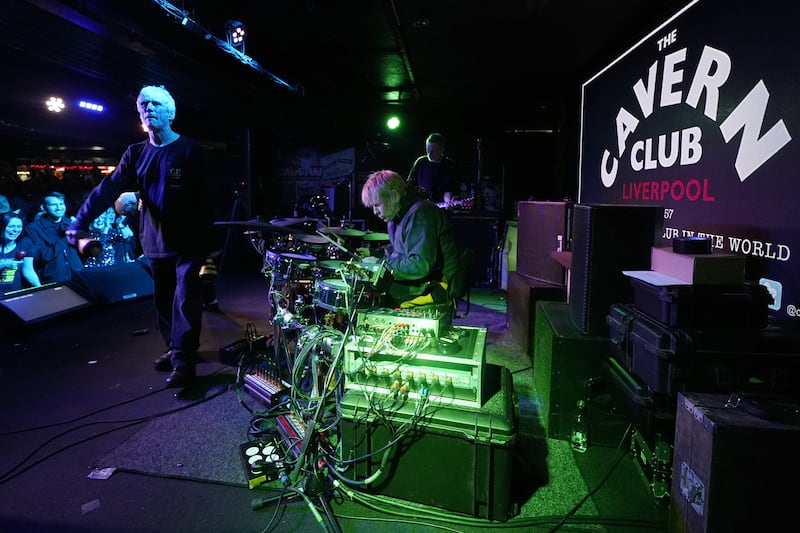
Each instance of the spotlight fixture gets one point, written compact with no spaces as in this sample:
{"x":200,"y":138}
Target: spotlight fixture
{"x":55,"y":104}
{"x":236,"y":32}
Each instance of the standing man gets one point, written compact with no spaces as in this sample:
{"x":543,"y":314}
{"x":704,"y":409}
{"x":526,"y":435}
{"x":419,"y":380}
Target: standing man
{"x":168,"y":171}
{"x":434,"y":171}
{"x":55,"y":258}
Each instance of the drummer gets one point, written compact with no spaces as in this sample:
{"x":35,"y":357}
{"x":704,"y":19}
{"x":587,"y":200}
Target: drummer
{"x":422,"y":253}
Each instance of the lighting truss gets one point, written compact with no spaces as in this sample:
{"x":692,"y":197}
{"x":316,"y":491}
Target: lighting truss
{"x":228,"y":47}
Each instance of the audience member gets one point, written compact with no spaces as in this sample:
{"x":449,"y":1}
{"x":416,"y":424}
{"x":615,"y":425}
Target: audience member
{"x":434,"y":172}
{"x":128,"y":207}
{"x":175,"y":220}
{"x":55,"y":258}
{"x":422,"y":255}
{"x":116,"y":243}
{"x":16,"y":256}
{"x":5,"y":205}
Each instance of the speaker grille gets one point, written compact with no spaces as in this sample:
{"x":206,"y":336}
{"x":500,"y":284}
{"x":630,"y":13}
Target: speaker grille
{"x":608,"y":239}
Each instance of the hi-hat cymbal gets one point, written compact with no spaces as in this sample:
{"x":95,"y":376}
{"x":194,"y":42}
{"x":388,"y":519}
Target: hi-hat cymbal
{"x":342,"y":232}
{"x":375,"y":236}
{"x":255,"y":223}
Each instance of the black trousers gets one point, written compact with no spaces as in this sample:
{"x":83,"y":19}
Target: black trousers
{"x":178,"y":294}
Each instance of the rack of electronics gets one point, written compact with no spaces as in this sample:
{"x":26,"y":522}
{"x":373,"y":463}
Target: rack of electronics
{"x":366,"y":398}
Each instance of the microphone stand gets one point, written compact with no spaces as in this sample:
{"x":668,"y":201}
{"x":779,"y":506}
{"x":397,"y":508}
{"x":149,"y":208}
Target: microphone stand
{"x":479,"y":174}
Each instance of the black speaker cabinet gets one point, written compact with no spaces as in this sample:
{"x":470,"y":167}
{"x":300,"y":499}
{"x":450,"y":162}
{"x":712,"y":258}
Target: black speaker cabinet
{"x":115,"y":283}
{"x":735,"y":466}
{"x":564,"y":360}
{"x":542,"y":229}
{"x":607,"y":239}
{"x":480,"y":234}
{"x":522,"y":295}
{"x":32,"y":306}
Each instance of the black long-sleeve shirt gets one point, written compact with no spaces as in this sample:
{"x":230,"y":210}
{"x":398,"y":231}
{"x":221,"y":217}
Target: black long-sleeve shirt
{"x":176,"y":215}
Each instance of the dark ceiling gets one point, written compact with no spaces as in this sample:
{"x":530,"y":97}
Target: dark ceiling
{"x":518,"y":63}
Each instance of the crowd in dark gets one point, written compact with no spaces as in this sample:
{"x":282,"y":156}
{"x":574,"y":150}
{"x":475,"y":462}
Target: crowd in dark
{"x":34,"y":215}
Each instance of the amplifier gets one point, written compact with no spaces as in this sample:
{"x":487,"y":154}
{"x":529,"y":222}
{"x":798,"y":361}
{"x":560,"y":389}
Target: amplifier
{"x":479,"y":234}
{"x":522,"y":295}
{"x":543,"y":229}
{"x":447,"y":370}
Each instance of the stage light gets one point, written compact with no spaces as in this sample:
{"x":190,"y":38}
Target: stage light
{"x":91,"y":106}
{"x":236,"y":32}
{"x":55,"y":104}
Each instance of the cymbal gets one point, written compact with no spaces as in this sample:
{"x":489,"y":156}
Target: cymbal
{"x":331,"y":264}
{"x":375,"y":236}
{"x":291,"y":221}
{"x":311,"y":239}
{"x":255,"y":223}
{"x":342,"y":232}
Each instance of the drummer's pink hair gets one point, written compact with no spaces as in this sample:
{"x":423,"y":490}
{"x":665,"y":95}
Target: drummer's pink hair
{"x":383,"y":186}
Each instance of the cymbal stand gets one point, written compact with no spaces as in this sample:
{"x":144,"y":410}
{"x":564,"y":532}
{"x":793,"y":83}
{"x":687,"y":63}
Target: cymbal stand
{"x":313,"y":485}
{"x":234,"y":210}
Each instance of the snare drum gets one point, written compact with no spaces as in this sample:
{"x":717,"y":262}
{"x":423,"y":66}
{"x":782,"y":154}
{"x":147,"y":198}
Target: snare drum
{"x":336,"y":295}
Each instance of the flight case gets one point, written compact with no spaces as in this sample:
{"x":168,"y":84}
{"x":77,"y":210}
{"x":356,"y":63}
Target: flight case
{"x":735,"y":466}
{"x":457,"y":459}
{"x":719,"y":307}
{"x":670,"y":359}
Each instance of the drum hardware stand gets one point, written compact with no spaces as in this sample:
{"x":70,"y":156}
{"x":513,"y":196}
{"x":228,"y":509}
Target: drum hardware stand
{"x":234,"y":211}
{"x":316,"y":483}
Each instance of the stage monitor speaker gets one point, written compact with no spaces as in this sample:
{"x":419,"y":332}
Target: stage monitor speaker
{"x":607,"y":239}
{"x":116,"y":283}
{"x":564,"y":360}
{"x":543,"y":228}
{"x":480,"y":234}
{"x":32,"y":306}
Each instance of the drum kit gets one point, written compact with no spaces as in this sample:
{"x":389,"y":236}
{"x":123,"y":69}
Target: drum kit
{"x":313,"y":275}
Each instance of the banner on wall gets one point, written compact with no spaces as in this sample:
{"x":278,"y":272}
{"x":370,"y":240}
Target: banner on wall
{"x":310,"y":172}
{"x":702,"y":117}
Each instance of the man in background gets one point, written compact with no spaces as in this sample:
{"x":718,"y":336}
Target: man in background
{"x":434,"y":172}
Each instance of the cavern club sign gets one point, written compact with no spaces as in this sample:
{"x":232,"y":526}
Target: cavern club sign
{"x":702,"y":117}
